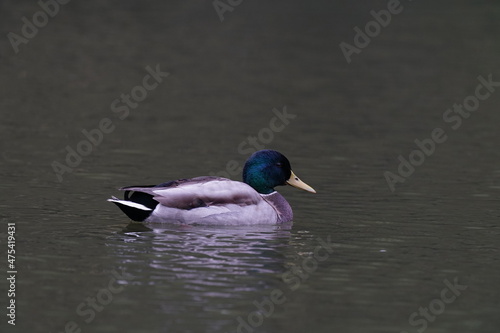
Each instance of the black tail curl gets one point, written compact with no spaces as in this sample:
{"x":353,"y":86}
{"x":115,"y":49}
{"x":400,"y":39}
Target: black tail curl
{"x":144,"y":199}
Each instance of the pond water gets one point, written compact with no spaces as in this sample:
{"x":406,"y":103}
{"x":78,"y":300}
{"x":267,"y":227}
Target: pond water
{"x":416,"y":253}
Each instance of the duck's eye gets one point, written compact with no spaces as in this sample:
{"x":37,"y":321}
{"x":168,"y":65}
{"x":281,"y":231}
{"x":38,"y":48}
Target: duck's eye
{"x":279,"y":165}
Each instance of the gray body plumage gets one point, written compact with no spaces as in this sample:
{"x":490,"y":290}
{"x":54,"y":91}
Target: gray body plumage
{"x":211,"y":201}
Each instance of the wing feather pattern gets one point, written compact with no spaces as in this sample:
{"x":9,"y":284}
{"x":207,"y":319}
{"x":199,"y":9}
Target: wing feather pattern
{"x":201,"y":192}
{"x":201,"y":200}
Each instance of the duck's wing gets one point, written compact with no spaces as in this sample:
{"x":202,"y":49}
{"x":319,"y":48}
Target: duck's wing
{"x":201,"y":200}
{"x":199,"y":192}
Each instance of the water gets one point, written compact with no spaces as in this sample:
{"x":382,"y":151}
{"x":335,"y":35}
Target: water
{"x":388,"y":254}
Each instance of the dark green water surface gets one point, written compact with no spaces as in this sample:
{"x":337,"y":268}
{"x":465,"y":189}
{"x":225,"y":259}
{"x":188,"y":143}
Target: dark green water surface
{"x":359,"y":257}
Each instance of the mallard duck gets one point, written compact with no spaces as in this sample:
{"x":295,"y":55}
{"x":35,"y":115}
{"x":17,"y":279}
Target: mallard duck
{"x":218,"y":201}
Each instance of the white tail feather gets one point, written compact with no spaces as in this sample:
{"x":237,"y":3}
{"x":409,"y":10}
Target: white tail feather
{"x":130,"y":204}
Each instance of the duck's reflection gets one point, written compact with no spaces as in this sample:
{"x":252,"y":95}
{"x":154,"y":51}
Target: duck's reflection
{"x":201,"y":272}
{"x":210,"y":250}
{"x":212,"y":261}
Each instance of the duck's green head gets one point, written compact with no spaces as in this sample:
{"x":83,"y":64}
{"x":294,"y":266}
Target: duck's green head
{"x":266,"y":169}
